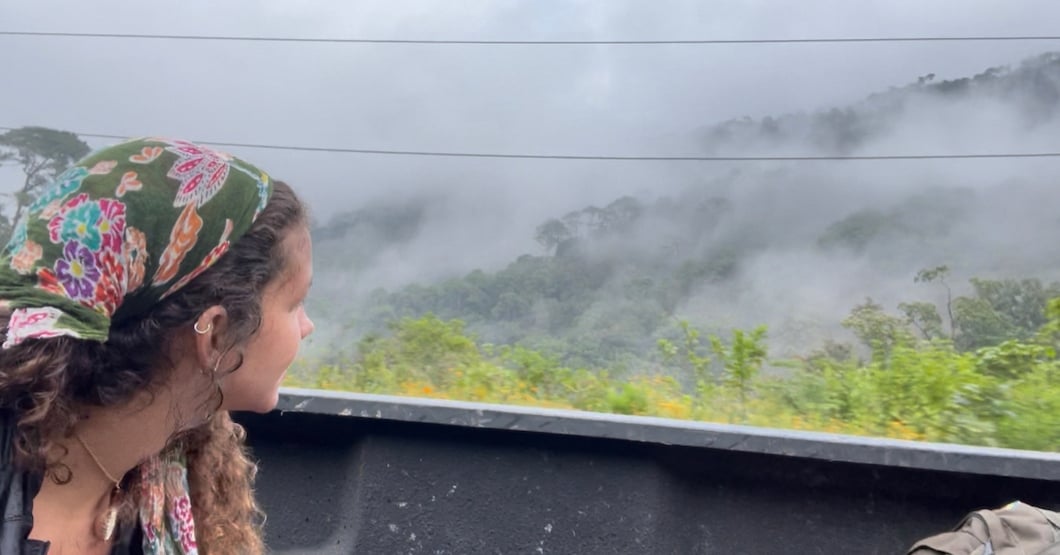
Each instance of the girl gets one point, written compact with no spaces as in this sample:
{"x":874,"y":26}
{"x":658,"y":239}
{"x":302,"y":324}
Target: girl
{"x":154,"y":287}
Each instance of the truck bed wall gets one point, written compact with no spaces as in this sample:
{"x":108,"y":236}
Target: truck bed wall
{"x":346,"y":473}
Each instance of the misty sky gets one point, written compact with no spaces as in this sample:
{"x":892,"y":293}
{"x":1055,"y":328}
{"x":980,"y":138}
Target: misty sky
{"x":592,"y":100}
{"x":608,"y":100}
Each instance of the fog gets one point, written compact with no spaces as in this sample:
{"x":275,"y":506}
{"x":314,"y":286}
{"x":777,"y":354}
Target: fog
{"x":586,"y":100}
{"x":988,"y":218}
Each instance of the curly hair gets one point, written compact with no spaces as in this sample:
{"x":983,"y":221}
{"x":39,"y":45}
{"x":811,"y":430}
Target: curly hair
{"x":49,"y":382}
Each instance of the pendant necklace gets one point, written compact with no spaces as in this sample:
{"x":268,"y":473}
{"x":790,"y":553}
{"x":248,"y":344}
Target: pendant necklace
{"x":107,"y":521}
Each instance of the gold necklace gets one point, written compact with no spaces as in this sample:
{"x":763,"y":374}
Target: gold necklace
{"x":107,"y":522}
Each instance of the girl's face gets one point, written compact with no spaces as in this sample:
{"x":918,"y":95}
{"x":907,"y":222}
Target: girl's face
{"x":254,"y":386}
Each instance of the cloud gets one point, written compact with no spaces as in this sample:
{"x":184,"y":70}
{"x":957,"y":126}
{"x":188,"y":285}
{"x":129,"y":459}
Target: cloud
{"x":503,"y":99}
{"x":546,"y":99}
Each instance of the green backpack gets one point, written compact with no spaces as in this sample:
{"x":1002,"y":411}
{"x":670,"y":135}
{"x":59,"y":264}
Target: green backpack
{"x":1016,"y":529}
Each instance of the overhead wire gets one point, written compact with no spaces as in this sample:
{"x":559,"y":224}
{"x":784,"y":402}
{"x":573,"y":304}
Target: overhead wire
{"x":535,"y":156}
{"x":647,"y":42}
{"x":616,"y":158}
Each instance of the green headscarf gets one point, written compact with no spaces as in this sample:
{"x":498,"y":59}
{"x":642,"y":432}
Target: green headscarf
{"x":124,"y":228}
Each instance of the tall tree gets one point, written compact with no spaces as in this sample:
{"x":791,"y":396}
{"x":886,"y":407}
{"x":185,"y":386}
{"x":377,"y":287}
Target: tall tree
{"x":552,"y":234}
{"x":42,"y":154}
{"x":939,"y":274}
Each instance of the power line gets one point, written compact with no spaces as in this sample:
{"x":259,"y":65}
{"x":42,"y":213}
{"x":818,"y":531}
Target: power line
{"x":233,"y":38}
{"x":524,"y":156}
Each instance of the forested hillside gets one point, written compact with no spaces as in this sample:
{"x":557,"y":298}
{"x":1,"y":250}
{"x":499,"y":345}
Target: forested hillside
{"x":908,"y":300}
{"x":1030,"y":93}
{"x":795,"y":248}
{"x":915,"y":301}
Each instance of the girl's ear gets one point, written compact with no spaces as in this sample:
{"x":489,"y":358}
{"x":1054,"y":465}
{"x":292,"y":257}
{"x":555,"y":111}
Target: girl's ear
{"x":211,"y":329}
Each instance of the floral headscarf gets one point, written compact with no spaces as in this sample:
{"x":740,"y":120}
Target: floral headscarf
{"x":123,"y":229}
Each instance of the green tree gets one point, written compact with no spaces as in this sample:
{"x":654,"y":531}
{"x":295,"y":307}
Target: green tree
{"x":742,"y":361}
{"x":924,"y":317}
{"x":1012,"y":359}
{"x":1049,"y":334}
{"x":939,"y":274}
{"x":857,"y":231}
{"x":879,"y":331}
{"x":1021,"y":303}
{"x":996,"y":311}
{"x":697,"y":364}
{"x":552,"y":234}
{"x":1031,"y":415}
{"x":42,"y":154}
{"x":425,"y":348}
{"x":621,"y":214}
{"x":510,"y":306}
{"x":979,"y":325}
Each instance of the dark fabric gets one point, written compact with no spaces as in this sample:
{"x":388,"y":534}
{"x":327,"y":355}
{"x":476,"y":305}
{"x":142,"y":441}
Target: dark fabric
{"x":129,"y":542}
{"x":17,"y":490}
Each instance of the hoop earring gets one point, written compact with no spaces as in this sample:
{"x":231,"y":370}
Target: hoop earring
{"x":209,"y":327}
